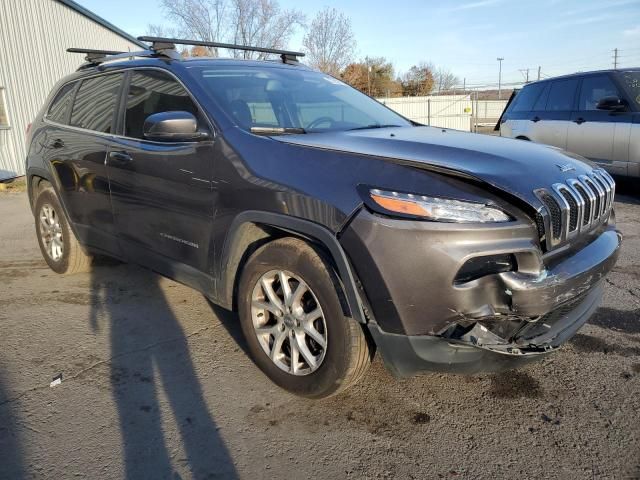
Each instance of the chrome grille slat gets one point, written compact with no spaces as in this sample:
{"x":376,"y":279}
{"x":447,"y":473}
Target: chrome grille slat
{"x":574,"y":207}
{"x":599,"y":197}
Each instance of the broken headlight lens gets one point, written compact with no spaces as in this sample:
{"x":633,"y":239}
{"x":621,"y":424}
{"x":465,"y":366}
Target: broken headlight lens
{"x":438,"y":209}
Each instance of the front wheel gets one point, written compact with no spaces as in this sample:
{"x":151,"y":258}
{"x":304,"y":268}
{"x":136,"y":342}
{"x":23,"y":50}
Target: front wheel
{"x":292,"y":317}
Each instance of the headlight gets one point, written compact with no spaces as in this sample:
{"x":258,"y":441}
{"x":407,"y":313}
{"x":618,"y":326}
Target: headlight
{"x":438,"y":209}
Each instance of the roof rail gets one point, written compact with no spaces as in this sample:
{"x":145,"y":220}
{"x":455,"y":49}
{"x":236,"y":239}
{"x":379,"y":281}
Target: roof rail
{"x":96,"y":57}
{"x":163,"y":44}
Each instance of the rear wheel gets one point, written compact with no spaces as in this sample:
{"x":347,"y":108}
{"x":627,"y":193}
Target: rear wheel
{"x":58,"y":244}
{"x":292,"y":317}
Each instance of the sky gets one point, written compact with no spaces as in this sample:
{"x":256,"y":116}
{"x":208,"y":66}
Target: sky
{"x":466,"y":36}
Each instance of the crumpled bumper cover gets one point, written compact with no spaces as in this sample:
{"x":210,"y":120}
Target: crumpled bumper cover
{"x":478,"y":350}
{"x":422,"y":319}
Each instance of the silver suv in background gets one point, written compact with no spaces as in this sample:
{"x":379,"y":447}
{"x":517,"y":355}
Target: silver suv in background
{"x":595,"y":115}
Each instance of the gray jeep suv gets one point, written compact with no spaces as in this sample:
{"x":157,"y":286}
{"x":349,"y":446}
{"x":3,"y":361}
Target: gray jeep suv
{"x":333,"y":226}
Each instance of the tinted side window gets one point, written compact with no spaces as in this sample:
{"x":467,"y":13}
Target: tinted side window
{"x":541,"y":103}
{"x":95,"y":103}
{"x":59,"y":108}
{"x":561,"y":95}
{"x":153,"y":91}
{"x":594,"y":89}
{"x":527,"y":97}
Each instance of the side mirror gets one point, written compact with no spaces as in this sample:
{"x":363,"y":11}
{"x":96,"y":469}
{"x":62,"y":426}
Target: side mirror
{"x":612,"y":104}
{"x":175,"y":126}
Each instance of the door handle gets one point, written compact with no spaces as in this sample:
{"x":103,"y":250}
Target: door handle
{"x":536,"y":119}
{"x":120,"y":157}
{"x":57,"y":143}
{"x":579,"y":120}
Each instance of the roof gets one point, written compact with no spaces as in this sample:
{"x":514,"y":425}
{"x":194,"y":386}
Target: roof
{"x":581,"y":74}
{"x":101,"y":21}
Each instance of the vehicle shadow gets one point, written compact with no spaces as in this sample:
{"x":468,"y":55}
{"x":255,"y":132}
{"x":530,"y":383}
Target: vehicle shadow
{"x":11,"y":463}
{"x":152,"y":374}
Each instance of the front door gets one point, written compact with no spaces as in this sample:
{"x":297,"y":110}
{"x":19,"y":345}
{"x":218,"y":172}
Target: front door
{"x":162,"y":192}
{"x":600,"y":135}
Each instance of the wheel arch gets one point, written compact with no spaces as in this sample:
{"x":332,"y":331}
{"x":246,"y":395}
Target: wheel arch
{"x":252,"y":229}
{"x":523,"y":137}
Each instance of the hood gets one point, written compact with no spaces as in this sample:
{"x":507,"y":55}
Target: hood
{"x":515,"y":166}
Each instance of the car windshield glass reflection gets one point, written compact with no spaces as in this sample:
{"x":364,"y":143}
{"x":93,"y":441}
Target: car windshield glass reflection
{"x":280,"y":98}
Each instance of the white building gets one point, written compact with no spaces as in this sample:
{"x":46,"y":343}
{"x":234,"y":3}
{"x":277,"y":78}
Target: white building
{"x":34,"y":37}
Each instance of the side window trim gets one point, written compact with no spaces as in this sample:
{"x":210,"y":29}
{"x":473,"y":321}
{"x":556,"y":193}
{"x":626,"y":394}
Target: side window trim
{"x":201,"y":111}
{"x":121,"y":106}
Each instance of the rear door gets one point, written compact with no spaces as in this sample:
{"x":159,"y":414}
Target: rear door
{"x":81,"y":119}
{"x":600,"y":135}
{"x":162,"y":192}
{"x":552,"y":120}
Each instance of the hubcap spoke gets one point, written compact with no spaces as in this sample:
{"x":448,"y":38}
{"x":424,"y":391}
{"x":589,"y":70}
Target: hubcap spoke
{"x":266,"y":306}
{"x":286,"y":288}
{"x":310,"y":330}
{"x":271,"y":294}
{"x":295,"y":353}
{"x":276,"y":349}
{"x":314,"y":315}
{"x":304,"y":350}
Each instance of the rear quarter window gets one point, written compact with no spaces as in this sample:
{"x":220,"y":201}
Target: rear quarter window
{"x":526,"y":99}
{"x":59,"y":109}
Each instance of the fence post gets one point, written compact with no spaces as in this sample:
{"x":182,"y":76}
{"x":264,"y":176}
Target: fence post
{"x":429,"y":111}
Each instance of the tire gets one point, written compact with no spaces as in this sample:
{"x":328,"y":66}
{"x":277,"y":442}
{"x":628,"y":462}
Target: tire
{"x":346,"y":354}
{"x":52,"y":228}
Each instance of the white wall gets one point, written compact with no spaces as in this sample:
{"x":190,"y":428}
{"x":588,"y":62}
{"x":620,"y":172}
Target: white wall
{"x":34,"y":36}
{"x":446,"y":111}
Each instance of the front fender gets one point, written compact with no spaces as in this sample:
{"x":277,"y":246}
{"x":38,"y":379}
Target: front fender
{"x":248,"y":227}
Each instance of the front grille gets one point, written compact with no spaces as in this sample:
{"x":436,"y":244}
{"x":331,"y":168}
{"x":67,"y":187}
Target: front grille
{"x":576,"y":206}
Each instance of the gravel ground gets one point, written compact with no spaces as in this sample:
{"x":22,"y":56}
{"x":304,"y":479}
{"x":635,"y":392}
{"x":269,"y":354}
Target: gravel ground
{"x":156,"y":384}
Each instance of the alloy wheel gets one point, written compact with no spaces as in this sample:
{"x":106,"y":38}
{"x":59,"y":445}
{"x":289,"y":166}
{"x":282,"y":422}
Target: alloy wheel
{"x":289,"y":322}
{"x":51,"y":232}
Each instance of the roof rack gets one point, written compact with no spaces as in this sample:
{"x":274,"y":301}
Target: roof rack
{"x":96,"y":57}
{"x":93,"y":55}
{"x":162,"y":44}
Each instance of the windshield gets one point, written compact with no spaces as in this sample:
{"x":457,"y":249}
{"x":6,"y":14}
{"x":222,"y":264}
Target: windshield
{"x":631,"y":82}
{"x":262,"y":98}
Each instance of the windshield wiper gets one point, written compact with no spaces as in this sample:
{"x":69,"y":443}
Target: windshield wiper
{"x":373,"y":125}
{"x":277,"y":130}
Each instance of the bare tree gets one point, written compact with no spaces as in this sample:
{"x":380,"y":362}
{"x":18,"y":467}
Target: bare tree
{"x":329,"y":42}
{"x":262,"y":23}
{"x":444,"y":79}
{"x":156,"y":30}
{"x":198,"y":19}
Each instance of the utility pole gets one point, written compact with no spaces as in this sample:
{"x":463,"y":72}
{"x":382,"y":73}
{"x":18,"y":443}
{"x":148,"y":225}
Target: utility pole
{"x":500,"y":59}
{"x":464,"y":85}
{"x":615,"y":58}
{"x":539,"y":68}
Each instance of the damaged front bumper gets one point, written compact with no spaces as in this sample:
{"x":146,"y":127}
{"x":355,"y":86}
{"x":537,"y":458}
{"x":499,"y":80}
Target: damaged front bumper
{"x":423,"y":318}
